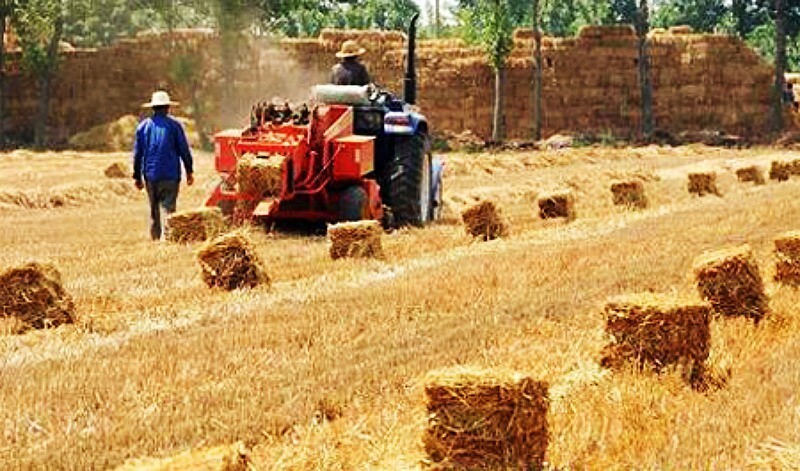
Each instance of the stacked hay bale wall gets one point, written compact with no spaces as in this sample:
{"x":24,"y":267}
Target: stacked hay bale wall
{"x":731,"y":281}
{"x":34,"y":297}
{"x":657,"y":331}
{"x":194,"y":225}
{"x":230,"y":262}
{"x":484,"y":220}
{"x":486,"y":420}
{"x":787,"y":255}
{"x":357,"y":239}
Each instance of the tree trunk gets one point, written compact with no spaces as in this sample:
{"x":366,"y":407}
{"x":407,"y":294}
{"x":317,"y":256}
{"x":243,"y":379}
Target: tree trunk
{"x":3,"y":16}
{"x":780,"y":66}
{"x":44,"y":80}
{"x":645,"y":82}
{"x":537,"y":78}
{"x":498,"y":124}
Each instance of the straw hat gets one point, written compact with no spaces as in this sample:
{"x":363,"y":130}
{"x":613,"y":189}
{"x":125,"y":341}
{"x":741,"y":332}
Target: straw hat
{"x":350,"y":48}
{"x":160,"y":98}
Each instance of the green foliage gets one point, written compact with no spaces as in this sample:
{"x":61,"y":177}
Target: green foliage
{"x":701,"y":15}
{"x":493,"y":28}
{"x":39,"y":23}
{"x":762,"y":39}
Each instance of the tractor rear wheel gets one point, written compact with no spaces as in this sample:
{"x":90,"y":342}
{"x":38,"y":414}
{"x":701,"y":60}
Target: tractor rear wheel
{"x":410,"y":181}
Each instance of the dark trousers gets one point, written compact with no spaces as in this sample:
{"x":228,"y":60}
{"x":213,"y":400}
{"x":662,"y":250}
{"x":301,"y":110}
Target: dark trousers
{"x":162,"y":194}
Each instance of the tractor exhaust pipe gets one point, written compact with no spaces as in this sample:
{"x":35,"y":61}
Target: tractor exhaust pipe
{"x":410,"y":80}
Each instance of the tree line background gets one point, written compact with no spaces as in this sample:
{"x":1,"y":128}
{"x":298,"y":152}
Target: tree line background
{"x":771,"y":26}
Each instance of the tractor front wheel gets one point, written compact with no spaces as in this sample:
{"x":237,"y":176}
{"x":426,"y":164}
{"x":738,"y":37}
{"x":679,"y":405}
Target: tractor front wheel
{"x":410,"y":181}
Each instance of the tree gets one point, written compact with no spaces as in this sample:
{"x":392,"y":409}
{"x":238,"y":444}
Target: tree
{"x":642,"y":25}
{"x":496,"y":38}
{"x":701,"y":15}
{"x":6,"y":10}
{"x":780,"y":65}
{"x":40,"y":25}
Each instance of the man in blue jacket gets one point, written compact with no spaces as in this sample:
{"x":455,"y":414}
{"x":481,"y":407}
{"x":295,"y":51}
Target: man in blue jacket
{"x":158,"y":151}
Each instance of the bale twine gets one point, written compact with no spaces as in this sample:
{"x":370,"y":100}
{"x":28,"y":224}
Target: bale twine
{"x":657,"y":331}
{"x":260,"y":176}
{"x":629,"y":193}
{"x":33,"y":295}
{"x":787,"y":254}
{"x":230,"y":262}
{"x":357,"y":239}
{"x":219,"y":458}
{"x":557,"y":205}
{"x":730,"y":280}
{"x":703,"y":183}
{"x":484,"y":219}
{"x":486,"y":420}
{"x":780,"y":170}
{"x":750,"y":174}
{"x":195,"y":225}
{"x":117,"y":170}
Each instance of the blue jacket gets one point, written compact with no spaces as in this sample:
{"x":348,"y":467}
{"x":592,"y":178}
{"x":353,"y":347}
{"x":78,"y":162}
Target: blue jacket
{"x":159,"y":148}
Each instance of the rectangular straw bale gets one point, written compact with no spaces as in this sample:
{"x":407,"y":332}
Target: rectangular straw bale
{"x":656,"y":330}
{"x":260,"y":176}
{"x":486,"y":420}
{"x":560,"y":204}
{"x":357,"y":239}
{"x":34,"y":295}
{"x":629,"y":193}
{"x":219,"y":458}
{"x":787,"y":255}
{"x":731,"y":281}
{"x":484,"y":219}
{"x":230,"y":262}
{"x":750,"y":174}
{"x":780,"y":170}
{"x":788,"y":244}
{"x":194,"y":225}
{"x":703,"y":183}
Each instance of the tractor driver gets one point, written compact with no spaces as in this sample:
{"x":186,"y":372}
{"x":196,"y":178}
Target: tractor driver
{"x":350,"y":71}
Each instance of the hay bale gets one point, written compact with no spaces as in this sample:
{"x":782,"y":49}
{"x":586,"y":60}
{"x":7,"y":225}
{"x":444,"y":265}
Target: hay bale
{"x":750,"y":174}
{"x":194,"y":225}
{"x":260,"y":176}
{"x":787,"y":254}
{"x":220,"y":458}
{"x":486,"y":420}
{"x":681,"y":30}
{"x":780,"y":170}
{"x":230,"y":262}
{"x":629,"y":193}
{"x":117,"y":170}
{"x":357,"y":239}
{"x":33,"y":294}
{"x":730,"y":280}
{"x":560,"y":204}
{"x":657,"y":331}
{"x":703,"y":183}
{"x":483,"y":219}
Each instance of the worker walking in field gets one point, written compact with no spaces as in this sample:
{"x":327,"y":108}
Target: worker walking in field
{"x":350,"y":71}
{"x":158,"y":151}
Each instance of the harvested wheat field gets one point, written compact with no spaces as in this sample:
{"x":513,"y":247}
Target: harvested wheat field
{"x":326,"y":366}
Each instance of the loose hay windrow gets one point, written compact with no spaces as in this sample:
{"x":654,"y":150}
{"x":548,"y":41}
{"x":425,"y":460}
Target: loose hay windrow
{"x":560,"y":204}
{"x":484,"y":219}
{"x":657,"y":330}
{"x":750,"y":174}
{"x":730,"y":280}
{"x":117,"y":170}
{"x":194,"y":225}
{"x":33,"y":294}
{"x":230,"y":262}
{"x":260,"y":175}
{"x":703,"y":183}
{"x":485,"y":420}
{"x":629,"y":193}
{"x":358,"y":239}
{"x":219,"y":458}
